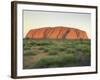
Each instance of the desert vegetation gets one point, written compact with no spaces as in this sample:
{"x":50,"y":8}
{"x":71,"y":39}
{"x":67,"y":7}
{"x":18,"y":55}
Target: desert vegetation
{"x":49,"y":53}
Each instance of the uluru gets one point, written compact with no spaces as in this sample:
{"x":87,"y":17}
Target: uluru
{"x":57,"y":32}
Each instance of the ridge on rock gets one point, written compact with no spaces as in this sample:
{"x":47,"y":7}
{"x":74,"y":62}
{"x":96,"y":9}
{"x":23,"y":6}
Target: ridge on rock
{"x":58,"y":32}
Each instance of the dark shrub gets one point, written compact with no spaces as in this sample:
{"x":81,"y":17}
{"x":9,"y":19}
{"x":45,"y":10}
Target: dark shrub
{"x":53,"y":53}
{"x":30,"y":52}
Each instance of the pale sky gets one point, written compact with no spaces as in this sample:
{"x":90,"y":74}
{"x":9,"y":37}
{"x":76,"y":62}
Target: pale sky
{"x":39,"y":19}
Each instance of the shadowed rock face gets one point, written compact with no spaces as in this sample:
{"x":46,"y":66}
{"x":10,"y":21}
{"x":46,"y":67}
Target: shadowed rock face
{"x":58,"y":32}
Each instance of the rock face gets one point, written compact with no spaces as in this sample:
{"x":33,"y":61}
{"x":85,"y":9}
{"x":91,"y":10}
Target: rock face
{"x":58,"y":32}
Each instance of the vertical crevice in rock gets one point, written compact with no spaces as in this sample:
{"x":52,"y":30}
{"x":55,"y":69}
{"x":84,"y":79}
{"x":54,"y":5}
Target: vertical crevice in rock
{"x":50,"y":36}
{"x":78,"y":34}
{"x":60,"y":31}
{"x":46,"y":33}
{"x":65,"y":34}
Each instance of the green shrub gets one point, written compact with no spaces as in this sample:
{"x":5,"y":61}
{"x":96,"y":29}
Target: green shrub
{"x":52,"y":49}
{"x":26,"y":48}
{"x":29,"y":52}
{"x":70,"y":50}
{"x":46,"y":49}
{"x":55,"y":61}
{"x":84,"y":49}
{"x":53,"y":53}
{"x":41,"y":48}
{"x":42,"y":42}
{"x":62,"y":49}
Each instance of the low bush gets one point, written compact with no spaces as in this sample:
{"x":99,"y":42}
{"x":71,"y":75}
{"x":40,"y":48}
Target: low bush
{"x":46,"y":49}
{"x":42,"y":42}
{"x":26,"y":48}
{"x":56,"y":61}
{"x":62,"y":49}
{"x":30,"y":52}
{"x":70,"y":50}
{"x":53,"y":53}
{"x":41,"y":48}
